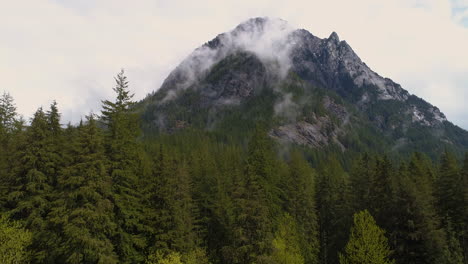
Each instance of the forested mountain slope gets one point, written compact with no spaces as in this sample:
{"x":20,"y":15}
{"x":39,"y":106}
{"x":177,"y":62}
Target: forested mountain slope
{"x":267,"y":145}
{"x":309,"y":91}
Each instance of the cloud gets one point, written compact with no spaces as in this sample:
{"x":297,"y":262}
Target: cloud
{"x":70,"y":50}
{"x":270,"y":39}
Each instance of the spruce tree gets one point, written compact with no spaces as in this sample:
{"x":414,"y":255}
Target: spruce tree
{"x":83,"y":214}
{"x":251,"y":230}
{"x":286,"y":244}
{"x":14,"y":242}
{"x":452,"y":202}
{"x":301,"y":205}
{"x":122,"y":151}
{"x":464,"y":233}
{"x":417,"y":233}
{"x":333,"y":205}
{"x":32,"y":190}
{"x":367,"y":243}
{"x":450,"y":190}
{"x":8,"y":115}
{"x":362,"y":180}
{"x":9,"y":129}
{"x":172,"y":212}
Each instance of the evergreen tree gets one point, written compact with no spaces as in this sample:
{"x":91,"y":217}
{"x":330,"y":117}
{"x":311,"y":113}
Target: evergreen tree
{"x":333,"y":204}
{"x":32,"y":190}
{"x":122,"y":152}
{"x":172,"y":211}
{"x":417,"y":231}
{"x":464,"y":228}
{"x":14,"y":242}
{"x":56,"y":144}
{"x":363,"y":180}
{"x":8,"y":115}
{"x":367,"y":243}
{"x":300,"y":188}
{"x":286,"y":245}
{"x":450,"y":190}
{"x":452,"y":202}
{"x":9,"y":127}
{"x":383,"y":193}
{"x":83,"y":214}
{"x":251,"y":230}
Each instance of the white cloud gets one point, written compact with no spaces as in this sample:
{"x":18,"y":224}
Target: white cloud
{"x":70,"y":50}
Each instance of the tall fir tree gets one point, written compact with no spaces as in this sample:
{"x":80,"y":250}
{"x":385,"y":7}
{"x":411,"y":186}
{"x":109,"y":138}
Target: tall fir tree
{"x":334,"y":209}
{"x":82,"y":216}
{"x":9,"y":129}
{"x":417,"y":231}
{"x":286,"y":244}
{"x":252,"y":227}
{"x":452,"y":202}
{"x":122,"y":150}
{"x":367,"y":243}
{"x":464,"y":227}
{"x":300,"y":204}
{"x":32,"y":190}
{"x":362,"y":180}
{"x":14,"y":242}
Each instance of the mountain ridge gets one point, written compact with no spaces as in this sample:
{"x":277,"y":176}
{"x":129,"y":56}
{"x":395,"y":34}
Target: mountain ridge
{"x":261,"y":53}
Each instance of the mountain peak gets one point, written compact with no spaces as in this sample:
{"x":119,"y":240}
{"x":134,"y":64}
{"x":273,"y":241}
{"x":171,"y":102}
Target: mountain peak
{"x":334,"y":37}
{"x":291,"y":72}
{"x":260,"y":24}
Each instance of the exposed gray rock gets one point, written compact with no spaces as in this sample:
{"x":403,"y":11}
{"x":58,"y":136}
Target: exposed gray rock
{"x":263,"y":53}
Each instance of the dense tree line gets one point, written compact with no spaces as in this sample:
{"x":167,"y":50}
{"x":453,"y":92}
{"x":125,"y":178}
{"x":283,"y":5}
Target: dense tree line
{"x":101,"y":192}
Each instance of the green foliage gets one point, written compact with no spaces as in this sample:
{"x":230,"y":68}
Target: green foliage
{"x":286,"y":245}
{"x":172,"y":257}
{"x":124,"y":167}
{"x":367,"y":243}
{"x":14,"y":242}
{"x":100,"y":193}
{"x":253,"y":197}
{"x":83,"y":211}
{"x":161,"y":258}
{"x":300,"y":188}
{"x":8,"y":115}
{"x":333,"y":204}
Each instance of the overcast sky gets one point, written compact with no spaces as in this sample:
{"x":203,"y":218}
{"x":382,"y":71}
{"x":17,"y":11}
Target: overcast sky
{"x":69,"y":50}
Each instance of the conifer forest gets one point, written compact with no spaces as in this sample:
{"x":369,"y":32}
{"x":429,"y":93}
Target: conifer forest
{"x":109,"y":190}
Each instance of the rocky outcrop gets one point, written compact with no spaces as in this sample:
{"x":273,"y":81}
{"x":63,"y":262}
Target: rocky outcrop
{"x":264,"y":53}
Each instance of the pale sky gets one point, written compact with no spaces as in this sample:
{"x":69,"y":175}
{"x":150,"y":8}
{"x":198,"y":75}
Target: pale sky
{"x":69,"y":50}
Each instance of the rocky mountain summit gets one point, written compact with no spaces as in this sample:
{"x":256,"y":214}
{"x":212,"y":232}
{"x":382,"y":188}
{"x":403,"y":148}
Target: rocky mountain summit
{"x":311,"y":91}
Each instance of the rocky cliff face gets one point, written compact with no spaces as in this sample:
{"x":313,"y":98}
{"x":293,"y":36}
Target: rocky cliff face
{"x":297,"y":68}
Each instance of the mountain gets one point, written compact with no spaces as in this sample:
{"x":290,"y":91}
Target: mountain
{"x":304,"y":89}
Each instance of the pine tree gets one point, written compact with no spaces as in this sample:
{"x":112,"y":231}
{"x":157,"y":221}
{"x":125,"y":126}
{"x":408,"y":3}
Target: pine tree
{"x":172,"y":212}
{"x":333,"y":206}
{"x":464,"y":233}
{"x":452,"y":202}
{"x":286,"y":244}
{"x":14,"y":242}
{"x":32,"y":189}
{"x":56,"y":144}
{"x":9,"y":128}
{"x":251,"y":230}
{"x":8,"y":115}
{"x":122,"y":152}
{"x":362,"y":180}
{"x":367,"y":243}
{"x":83,"y":214}
{"x":449,"y":189}
{"x":383,"y":192}
{"x":418,"y":235}
{"x":301,"y":205}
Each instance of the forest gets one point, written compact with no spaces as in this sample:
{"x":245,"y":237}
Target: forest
{"x":102,"y":191}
